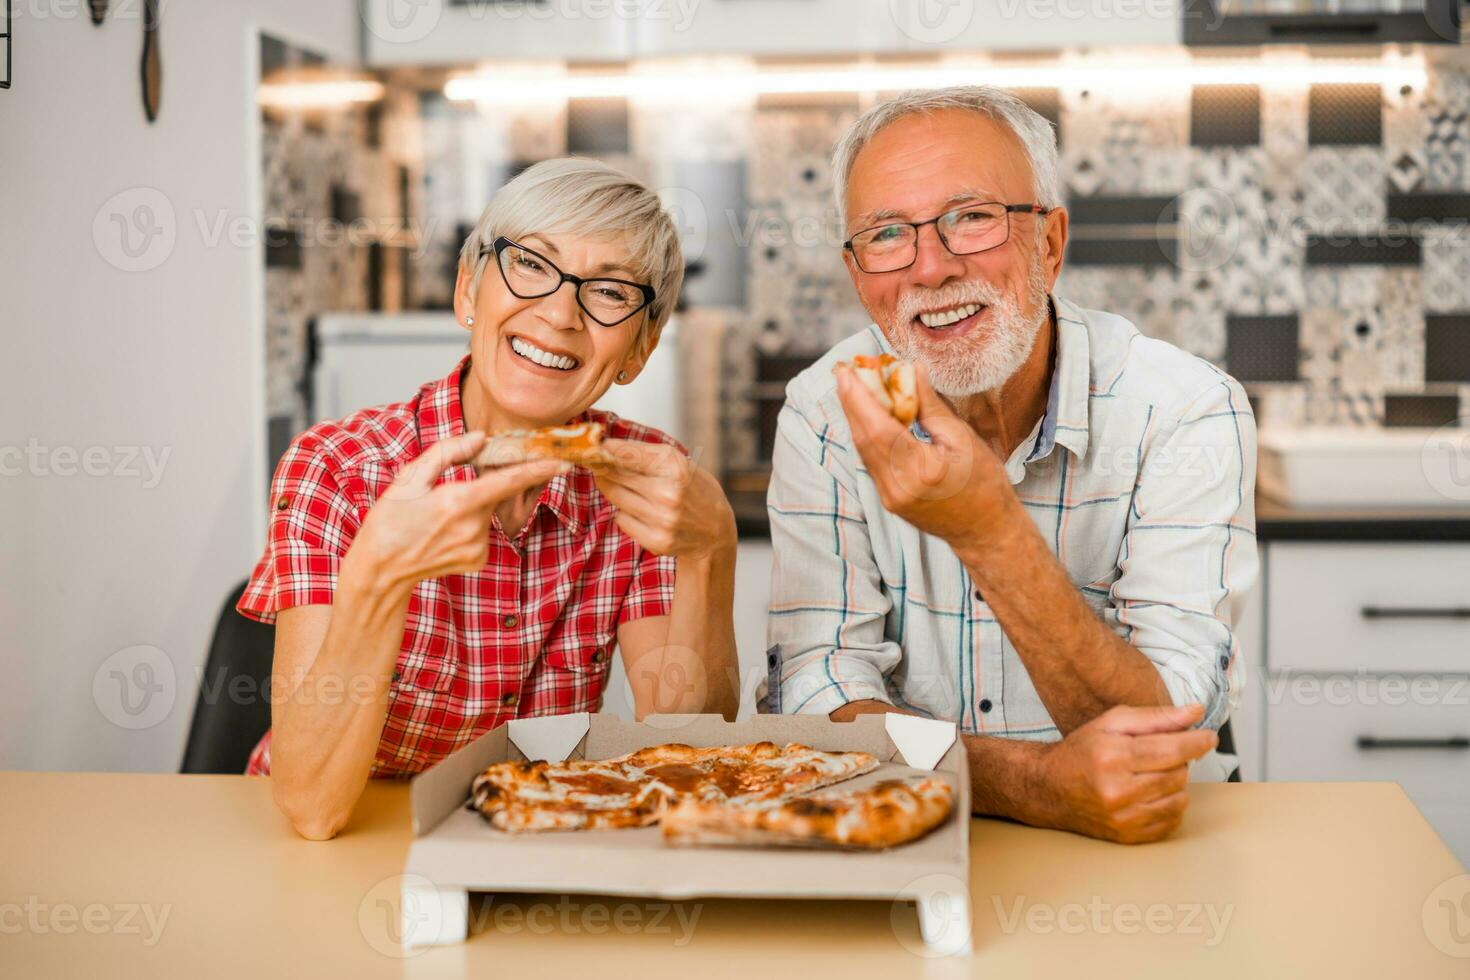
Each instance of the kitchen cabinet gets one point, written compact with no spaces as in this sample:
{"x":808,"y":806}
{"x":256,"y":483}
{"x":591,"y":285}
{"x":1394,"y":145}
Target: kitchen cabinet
{"x":1359,"y":664}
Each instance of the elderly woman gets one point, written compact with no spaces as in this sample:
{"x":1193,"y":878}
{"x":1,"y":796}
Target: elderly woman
{"x":418,"y":605}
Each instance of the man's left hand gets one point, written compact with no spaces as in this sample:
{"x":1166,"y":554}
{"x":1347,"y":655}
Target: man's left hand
{"x":952,"y":487}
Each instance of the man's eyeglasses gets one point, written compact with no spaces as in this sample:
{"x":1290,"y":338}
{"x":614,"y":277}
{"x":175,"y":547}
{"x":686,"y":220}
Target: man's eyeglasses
{"x":964,"y":231}
{"x":530,"y":275}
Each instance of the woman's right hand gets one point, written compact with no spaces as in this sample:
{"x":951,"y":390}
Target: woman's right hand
{"x":418,"y":531}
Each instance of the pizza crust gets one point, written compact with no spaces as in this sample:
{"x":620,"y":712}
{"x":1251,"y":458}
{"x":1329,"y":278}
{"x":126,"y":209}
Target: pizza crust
{"x":884,"y":815}
{"x":580,"y":445}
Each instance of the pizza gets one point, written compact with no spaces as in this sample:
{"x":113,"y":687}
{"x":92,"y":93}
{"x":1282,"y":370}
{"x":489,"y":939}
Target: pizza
{"x":579,"y":444}
{"x":891,"y":381}
{"x":889,"y":813}
{"x":634,"y":790}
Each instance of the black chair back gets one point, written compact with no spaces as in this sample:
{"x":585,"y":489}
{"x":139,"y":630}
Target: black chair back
{"x":233,"y":708}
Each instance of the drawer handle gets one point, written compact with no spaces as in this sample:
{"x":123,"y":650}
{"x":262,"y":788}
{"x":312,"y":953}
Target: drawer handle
{"x":1452,"y":742}
{"x":1446,"y":612}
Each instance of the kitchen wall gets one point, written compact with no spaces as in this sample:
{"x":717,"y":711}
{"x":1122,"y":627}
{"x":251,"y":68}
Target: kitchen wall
{"x":133,"y":321}
{"x":1312,"y":240}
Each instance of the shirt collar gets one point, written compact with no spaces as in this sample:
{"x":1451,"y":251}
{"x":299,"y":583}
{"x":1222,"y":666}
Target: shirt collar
{"x":440,"y":415}
{"x":1065,"y":421}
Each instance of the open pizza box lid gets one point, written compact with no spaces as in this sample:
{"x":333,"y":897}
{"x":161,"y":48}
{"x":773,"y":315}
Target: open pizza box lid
{"x":455,"y":848}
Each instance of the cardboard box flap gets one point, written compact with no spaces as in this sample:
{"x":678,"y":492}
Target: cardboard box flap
{"x":436,"y":793}
{"x":921,"y":741}
{"x":550,"y":738}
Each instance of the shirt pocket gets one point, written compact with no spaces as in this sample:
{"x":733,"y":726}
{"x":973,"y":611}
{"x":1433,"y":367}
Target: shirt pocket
{"x":427,"y":659}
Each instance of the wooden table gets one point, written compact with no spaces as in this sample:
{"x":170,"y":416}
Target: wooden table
{"x":200,"y":877}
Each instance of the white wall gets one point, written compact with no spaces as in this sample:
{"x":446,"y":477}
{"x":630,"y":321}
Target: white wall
{"x":94,"y":356}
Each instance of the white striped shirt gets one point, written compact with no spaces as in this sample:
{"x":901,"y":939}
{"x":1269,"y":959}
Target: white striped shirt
{"x":1140,"y":476}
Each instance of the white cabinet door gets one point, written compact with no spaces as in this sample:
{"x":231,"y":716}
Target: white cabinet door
{"x":998,"y":25}
{"x":1368,"y":608}
{"x":436,"y":32}
{"x":767,"y":27}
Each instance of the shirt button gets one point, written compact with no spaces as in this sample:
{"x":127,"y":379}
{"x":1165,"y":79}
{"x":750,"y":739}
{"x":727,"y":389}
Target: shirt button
{"x":978,"y":596}
{"x":985,"y":705}
{"x":283,"y":501}
{"x":599,"y":656}
{"x":510,"y":621}
{"x":398,"y":675}
{"x":509,"y":699}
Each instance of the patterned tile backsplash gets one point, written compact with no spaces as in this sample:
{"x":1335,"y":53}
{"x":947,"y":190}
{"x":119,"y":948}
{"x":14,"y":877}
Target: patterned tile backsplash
{"x":1313,"y":240}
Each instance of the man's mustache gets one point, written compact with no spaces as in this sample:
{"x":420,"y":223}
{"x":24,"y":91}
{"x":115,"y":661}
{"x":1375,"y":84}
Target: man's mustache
{"x":919,"y":300}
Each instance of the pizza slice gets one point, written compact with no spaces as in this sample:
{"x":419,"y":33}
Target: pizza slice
{"x":634,"y":789}
{"x":891,"y":381}
{"x":884,"y":815}
{"x":580,"y":445}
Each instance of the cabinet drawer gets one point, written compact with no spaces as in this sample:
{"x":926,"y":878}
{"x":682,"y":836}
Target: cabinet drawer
{"x":1379,"y":608}
{"x":1345,"y":729}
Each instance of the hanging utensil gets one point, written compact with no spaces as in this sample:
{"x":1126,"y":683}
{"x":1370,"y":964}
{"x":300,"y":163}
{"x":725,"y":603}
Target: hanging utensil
{"x":152,"y":61}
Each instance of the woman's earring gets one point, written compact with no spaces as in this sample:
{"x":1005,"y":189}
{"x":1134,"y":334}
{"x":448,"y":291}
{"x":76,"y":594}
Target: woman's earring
{"x":622,"y":375}
{"x":469,"y":321}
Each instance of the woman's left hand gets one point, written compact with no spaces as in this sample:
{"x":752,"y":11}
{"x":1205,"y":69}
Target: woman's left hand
{"x":665,"y":502}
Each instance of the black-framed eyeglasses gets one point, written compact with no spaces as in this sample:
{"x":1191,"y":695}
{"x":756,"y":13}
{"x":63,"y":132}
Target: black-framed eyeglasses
{"x":964,"y":230}
{"x":531,"y":275}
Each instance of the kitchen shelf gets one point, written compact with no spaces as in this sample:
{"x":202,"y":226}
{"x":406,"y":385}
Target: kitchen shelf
{"x":1437,"y":23}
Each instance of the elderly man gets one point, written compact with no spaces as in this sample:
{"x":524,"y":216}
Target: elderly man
{"x":1053,"y":555}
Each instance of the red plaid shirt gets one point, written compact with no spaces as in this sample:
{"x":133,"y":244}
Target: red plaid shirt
{"x":530,"y":634}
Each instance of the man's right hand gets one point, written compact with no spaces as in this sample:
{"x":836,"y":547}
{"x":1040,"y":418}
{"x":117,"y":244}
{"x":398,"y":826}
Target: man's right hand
{"x":1124,"y":775}
{"x":417,"y":530}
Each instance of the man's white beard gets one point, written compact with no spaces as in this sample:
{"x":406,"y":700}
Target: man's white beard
{"x":983,"y":359}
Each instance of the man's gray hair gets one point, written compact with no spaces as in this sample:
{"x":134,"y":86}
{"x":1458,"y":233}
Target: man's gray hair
{"x":588,"y":198}
{"x":1035,"y":134}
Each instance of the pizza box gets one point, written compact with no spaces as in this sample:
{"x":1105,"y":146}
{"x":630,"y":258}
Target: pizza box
{"x":455,"y":851}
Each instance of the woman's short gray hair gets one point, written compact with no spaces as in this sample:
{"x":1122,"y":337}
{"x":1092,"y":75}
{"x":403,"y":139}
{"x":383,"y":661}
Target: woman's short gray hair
{"x":578,"y":196}
{"x":1038,"y":139}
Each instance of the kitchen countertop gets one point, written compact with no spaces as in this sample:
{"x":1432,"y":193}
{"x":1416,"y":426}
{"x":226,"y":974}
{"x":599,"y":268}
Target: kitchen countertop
{"x":1275,"y":879}
{"x":1274,"y":521}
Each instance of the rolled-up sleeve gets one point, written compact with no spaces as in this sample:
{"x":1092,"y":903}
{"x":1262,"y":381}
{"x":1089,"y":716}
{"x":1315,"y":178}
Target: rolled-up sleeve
{"x":313,"y":523}
{"x":1188,"y":558}
{"x":828,"y":607}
